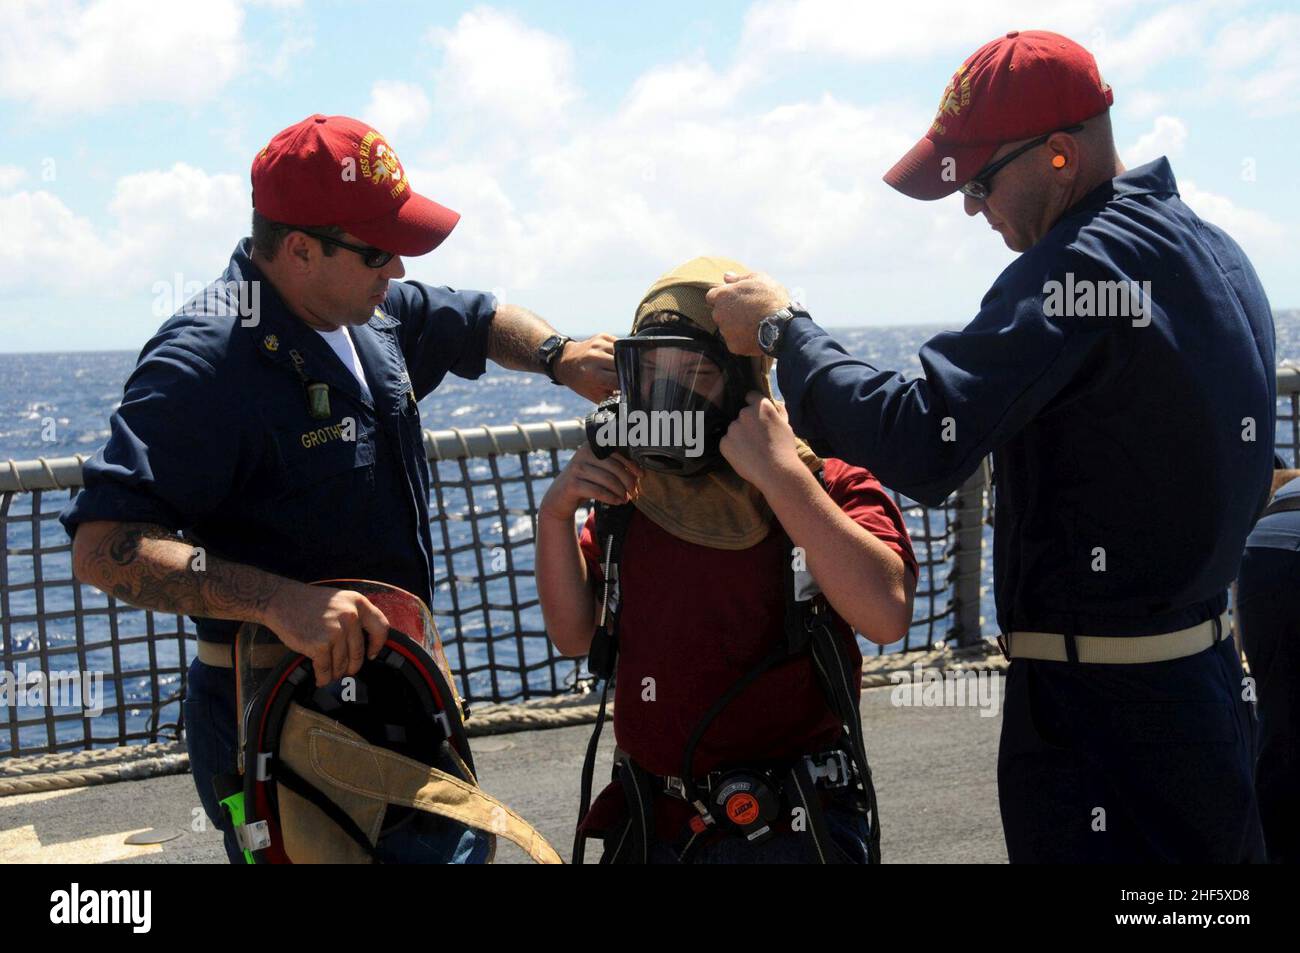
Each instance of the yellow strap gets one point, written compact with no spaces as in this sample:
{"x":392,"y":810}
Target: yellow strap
{"x":339,"y":758}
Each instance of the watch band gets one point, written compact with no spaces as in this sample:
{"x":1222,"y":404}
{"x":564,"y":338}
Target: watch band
{"x":775,"y":325}
{"x":549,"y":352}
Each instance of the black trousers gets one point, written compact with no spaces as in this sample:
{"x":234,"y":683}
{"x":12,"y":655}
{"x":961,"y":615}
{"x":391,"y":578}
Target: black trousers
{"x":1129,"y":763}
{"x":1268,"y":610}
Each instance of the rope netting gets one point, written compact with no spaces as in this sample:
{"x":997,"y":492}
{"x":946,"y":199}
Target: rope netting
{"x":81,"y":670}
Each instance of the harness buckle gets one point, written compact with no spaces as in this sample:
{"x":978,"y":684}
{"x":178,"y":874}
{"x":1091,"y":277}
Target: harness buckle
{"x":832,"y":766}
{"x":254,"y":837}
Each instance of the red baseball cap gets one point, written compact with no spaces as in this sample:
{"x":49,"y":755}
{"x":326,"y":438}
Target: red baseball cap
{"x":332,"y":170}
{"x":1019,"y":86}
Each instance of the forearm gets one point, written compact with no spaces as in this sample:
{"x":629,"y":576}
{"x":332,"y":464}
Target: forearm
{"x":866,"y":582}
{"x":899,"y":429}
{"x":566,"y":594}
{"x":147,"y":566}
{"x":514,"y":336}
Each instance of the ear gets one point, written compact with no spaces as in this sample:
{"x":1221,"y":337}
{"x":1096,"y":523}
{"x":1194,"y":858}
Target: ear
{"x":298,"y":250}
{"x":1064,"y":156}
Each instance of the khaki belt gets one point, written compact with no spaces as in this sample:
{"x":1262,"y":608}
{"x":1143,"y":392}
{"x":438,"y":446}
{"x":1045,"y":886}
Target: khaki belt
{"x":1110,"y":650}
{"x":222,"y":655}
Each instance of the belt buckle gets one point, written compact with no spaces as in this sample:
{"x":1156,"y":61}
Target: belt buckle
{"x":1002,"y":646}
{"x":676,"y":787}
{"x":834,"y":768}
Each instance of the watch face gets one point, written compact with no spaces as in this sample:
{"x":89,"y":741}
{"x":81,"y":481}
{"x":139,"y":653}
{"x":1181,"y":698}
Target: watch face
{"x":768,"y":332}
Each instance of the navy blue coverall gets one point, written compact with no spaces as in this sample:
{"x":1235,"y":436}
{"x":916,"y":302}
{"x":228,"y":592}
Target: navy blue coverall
{"x":1268,"y":614}
{"x":214,"y":438}
{"x":1132,"y":452}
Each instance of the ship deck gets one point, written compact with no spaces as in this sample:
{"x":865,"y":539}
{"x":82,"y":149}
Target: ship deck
{"x":935,"y":771}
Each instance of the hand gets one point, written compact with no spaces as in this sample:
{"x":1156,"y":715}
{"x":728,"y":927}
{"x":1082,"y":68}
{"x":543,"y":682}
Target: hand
{"x":740,"y":303}
{"x":614,"y":480}
{"x":759,"y":444}
{"x":332,"y":627}
{"x":587,"y":367}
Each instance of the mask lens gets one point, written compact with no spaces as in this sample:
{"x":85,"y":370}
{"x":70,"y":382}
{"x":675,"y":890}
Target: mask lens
{"x":673,"y":388}
{"x":671,"y":376}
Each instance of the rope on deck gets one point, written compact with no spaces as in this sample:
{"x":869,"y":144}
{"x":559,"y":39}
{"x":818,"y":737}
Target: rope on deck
{"x":56,"y":772}
{"x":65,"y":770}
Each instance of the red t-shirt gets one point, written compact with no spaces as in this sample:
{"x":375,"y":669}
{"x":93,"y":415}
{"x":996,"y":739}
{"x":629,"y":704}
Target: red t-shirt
{"x":696,"y":619}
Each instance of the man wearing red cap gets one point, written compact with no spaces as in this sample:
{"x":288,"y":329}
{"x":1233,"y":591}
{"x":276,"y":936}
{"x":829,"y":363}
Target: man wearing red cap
{"x":1121,"y":374}
{"x":273,"y":422}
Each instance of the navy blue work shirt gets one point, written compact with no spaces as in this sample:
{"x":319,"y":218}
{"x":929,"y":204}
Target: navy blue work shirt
{"x":214,"y":436}
{"x":1279,"y":530}
{"x":1148,"y":447}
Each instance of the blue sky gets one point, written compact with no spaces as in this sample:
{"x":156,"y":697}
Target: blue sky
{"x":591,"y":146}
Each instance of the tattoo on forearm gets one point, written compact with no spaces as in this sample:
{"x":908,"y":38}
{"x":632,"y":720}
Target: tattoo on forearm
{"x":139,"y":575}
{"x":123,"y":545}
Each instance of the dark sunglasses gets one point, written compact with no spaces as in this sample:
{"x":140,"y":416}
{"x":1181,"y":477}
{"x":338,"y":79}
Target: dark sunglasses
{"x":980,"y":186}
{"x":373,"y":257}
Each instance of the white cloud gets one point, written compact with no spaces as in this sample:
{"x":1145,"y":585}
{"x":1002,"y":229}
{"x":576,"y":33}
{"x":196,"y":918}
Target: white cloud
{"x":1166,"y":138}
{"x":1173,"y":32}
{"x":68,"y":57}
{"x":10,"y":176}
{"x":595,"y":205}
{"x":664,"y":89}
{"x":868,"y":31}
{"x":1257,"y":233}
{"x":45,"y":247}
{"x":294,"y":45}
{"x":1244,"y":43}
{"x":1139,"y":103}
{"x":179,"y":220}
{"x":608,"y":208}
{"x":1257,"y":64}
{"x":495,"y":68}
{"x":573,"y":211}
{"x":396,"y":108}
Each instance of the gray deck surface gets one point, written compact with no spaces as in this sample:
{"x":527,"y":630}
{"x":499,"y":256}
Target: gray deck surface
{"x":935,"y":772}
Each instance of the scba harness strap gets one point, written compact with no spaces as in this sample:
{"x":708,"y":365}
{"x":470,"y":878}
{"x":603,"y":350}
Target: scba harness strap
{"x":745,"y":801}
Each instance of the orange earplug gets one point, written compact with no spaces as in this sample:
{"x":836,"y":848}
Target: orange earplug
{"x":1058,"y":161}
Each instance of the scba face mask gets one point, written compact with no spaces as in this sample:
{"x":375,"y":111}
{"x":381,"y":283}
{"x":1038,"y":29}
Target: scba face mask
{"x":679,"y":390}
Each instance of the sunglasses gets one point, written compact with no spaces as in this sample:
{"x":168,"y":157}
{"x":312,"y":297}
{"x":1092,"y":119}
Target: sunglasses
{"x":980,"y":186}
{"x":372,"y":257}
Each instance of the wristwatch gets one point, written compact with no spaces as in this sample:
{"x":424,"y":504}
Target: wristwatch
{"x":772,"y":328}
{"x":549,"y":352}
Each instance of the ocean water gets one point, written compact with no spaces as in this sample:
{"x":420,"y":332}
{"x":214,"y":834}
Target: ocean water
{"x":55,"y":405}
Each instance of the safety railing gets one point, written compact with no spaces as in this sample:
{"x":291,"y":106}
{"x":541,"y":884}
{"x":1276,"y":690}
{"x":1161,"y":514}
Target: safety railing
{"x":81,"y":669}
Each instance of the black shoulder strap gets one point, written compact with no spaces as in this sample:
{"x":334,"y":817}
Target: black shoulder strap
{"x":610,"y":531}
{"x":809,"y":628}
{"x":602,"y":658}
{"x":803,"y":597}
